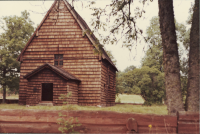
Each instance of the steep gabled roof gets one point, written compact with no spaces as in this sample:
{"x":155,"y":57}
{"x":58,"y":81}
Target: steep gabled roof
{"x":81,"y":23}
{"x":61,"y":72}
{"x":85,"y":27}
{"x":27,"y":44}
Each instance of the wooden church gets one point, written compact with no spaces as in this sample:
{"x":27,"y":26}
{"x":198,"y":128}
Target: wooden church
{"x":59,"y":59}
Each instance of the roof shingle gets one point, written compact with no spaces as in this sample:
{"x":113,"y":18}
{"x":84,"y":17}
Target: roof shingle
{"x":58,"y":70}
{"x":86,"y":27}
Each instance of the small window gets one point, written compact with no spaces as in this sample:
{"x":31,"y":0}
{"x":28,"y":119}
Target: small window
{"x":58,"y":59}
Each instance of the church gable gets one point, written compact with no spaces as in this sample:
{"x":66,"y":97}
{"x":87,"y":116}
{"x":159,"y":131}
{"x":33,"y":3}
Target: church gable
{"x":60,"y":34}
{"x":47,"y":85}
{"x":62,"y":17}
{"x":58,"y":41}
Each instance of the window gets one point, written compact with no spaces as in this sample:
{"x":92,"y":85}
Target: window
{"x":58,"y":59}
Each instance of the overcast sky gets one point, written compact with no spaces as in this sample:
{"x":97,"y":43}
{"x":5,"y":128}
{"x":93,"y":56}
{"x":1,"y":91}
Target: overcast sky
{"x":123,"y":56}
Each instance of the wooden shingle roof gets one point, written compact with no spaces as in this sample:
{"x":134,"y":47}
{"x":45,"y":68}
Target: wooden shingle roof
{"x":61,"y":72}
{"x":83,"y":26}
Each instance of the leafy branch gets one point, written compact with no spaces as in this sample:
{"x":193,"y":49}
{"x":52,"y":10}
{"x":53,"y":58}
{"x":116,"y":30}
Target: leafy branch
{"x":67,"y":123}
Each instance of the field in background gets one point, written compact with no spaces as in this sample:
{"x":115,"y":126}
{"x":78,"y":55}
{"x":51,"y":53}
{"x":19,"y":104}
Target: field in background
{"x":124,"y":98}
{"x":12,"y":96}
{"x":125,"y":108}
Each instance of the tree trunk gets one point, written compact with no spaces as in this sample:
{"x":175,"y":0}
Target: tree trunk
{"x":170,"y":57}
{"x":4,"y":94}
{"x":192,"y":100}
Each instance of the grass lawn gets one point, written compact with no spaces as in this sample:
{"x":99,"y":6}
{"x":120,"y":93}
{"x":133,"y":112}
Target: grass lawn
{"x":12,"y":96}
{"x":126,"y":108}
{"x":124,"y":98}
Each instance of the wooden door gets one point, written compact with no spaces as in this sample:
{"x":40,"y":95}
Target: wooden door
{"x":47,"y":91}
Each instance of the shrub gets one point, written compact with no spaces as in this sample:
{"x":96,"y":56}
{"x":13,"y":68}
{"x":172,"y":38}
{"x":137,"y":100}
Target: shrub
{"x":65,"y":121}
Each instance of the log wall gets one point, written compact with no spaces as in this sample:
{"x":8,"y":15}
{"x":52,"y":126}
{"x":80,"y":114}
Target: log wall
{"x":38,"y":121}
{"x":108,"y":76}
{"x":188,"y":122}
{"x":60,"y":86}
{"x":61,"y":34}
{"x":10,"y":101}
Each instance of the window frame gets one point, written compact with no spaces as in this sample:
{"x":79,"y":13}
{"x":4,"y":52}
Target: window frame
{"x":59,"y":59}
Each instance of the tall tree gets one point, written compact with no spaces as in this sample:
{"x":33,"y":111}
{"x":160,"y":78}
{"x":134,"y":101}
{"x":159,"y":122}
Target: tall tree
{"x":154,"y":58}
{"x":119,"y":83}
{"x":154,"y":55}
{"x":192,"y":100}
{"x":170,"y":57}
{"x":130,"y":68}
{"x":125,"y":23}
{"x":17,"y":31}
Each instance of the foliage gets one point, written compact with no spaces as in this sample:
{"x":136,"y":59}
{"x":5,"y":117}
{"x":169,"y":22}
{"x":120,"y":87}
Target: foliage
{"x":154,"y":58}
{"x":130,"y":68}
{"x":121,"y":19}
{"x":67,"y":125}
{"x":151,"y":83}
{"x":154,"y":55}
{"x":124,"y":83}
{"x":8,"y":91}
{"x":124,"y":24}
{"x":128,"y":80}
{"x":119,"y":83}
{"x":66,"y":122}
{"x":147,"y":81}
{"x":17,"y":31}
{"x":109,"y":53}
{"x":189,"y":20}
{"x":153,"y":32}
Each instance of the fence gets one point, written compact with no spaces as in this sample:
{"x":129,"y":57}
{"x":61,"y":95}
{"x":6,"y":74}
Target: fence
{"x":10,"y":101}
{"x":188,"y":122}
{"x":38,"y":121}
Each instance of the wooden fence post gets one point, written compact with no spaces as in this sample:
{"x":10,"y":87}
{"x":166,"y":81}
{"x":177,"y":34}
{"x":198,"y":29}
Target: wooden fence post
{"x":131,"y":125}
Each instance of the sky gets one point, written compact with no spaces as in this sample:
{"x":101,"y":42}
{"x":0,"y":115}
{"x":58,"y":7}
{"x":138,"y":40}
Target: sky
{"x":124,"y":57}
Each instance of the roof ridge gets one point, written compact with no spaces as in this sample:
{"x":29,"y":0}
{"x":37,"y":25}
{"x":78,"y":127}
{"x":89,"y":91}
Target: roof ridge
{"x":82,"y":22}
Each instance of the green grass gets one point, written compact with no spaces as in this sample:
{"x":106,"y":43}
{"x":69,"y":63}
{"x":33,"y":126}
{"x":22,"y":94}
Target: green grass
{"x":124,"y":98}
{"x":125,"y":108}
{"x":155,"y":109}
{"x":13,"y":96}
